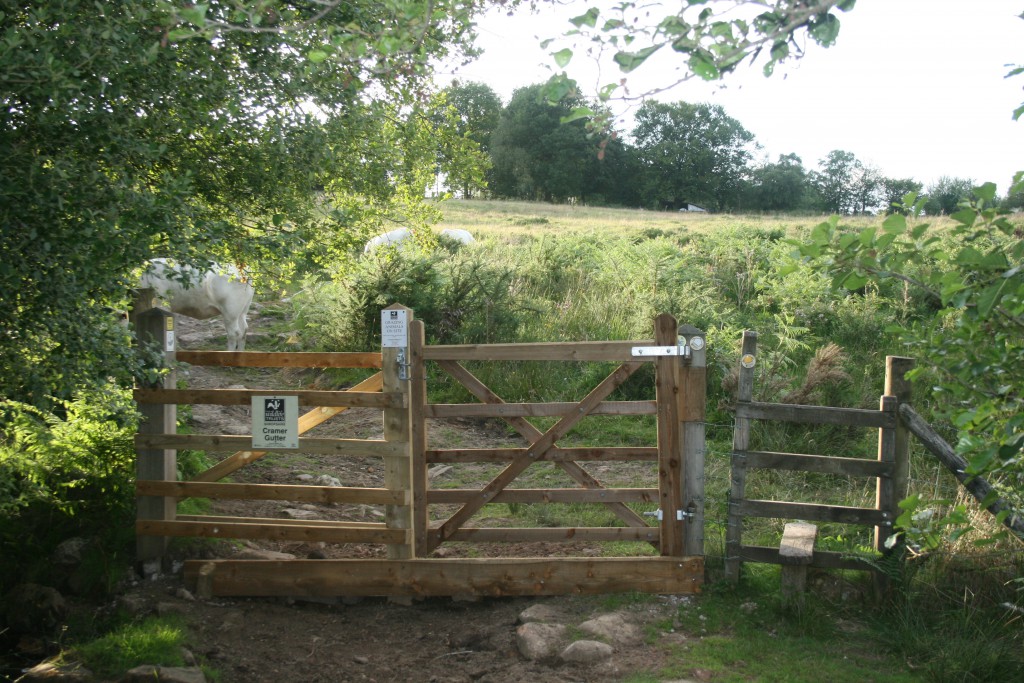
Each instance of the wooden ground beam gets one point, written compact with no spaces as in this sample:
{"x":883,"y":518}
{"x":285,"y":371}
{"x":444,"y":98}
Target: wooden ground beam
{"x":447,"y":577}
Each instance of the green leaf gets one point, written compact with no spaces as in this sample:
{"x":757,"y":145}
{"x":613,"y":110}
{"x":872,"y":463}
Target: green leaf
{"x":854,"y":281}
{"x":196,"y":14}
{"x":824,"y":30}
{"x":704,"y":66}
{"x":577,"y":114}
{"x":821,"y":234}
{"x":986,"y":192}
{"x":867,"y":236}
{"x":965,"y":216}
{"x":563,"y":57}
{"x":316,"y":56}
{"x":588,"y":18}
{"x":990,"y":298}
{"x":629,"y":61}
{"x":895,"y":224}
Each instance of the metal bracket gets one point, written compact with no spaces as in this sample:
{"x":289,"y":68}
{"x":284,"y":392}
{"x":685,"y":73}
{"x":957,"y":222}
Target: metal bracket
{"x":403,"y":365}
{"x":680,"y":515}
{"x":683,"y":351}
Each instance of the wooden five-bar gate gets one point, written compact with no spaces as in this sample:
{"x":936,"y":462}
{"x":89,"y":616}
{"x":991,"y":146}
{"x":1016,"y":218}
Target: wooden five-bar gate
{"x":414,"y":528}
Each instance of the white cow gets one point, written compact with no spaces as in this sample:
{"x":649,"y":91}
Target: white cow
{"x":458,"y":235}
{"x":391,"y":238}
{"x":221,"y":290}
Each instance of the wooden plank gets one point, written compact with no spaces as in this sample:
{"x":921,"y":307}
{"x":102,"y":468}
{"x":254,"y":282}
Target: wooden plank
{"x":352,"y":448}
{"x":288,"y":359}
{"x":324,"y":523}
{"x":418,"y":437}
{"x":812,"y":511}
{"x":823,"y":559}
{"x":740,"y":443}
{"x":670,"y":466}
{"x":787,"y":412}
{"x":952,"y":461}
{"x":584,"y":495}
{"x":232,"y":397}
{"x":885,"y":492}
{"x":305,"y":494}
{"x":821,"y":464}
{"x":445,"y":577}
{"x":554,"y":534}
{"x":307,"y":421}
{"x":270,"y":530}
{"x":449,"y":410}
{"x":554,"y":454}
{"x":693,"y":413}
{"x":797,"y":545}
{"x":614,"y":351}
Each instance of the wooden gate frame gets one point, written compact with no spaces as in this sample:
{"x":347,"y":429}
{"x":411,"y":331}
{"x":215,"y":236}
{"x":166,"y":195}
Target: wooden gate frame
{"x":891,"y":469}
{"x":408,"y":571}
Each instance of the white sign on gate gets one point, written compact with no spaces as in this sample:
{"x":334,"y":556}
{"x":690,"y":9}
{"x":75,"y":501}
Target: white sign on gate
{"x":275,"y":422}
{"x":394,"y":329}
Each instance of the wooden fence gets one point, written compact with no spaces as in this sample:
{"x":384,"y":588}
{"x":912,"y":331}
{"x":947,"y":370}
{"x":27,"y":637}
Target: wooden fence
{"x":400,"y":391}
{"x":890,"y":469}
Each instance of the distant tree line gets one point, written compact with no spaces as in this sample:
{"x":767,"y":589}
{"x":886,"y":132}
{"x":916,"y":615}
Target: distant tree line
{"x":676,"y":155}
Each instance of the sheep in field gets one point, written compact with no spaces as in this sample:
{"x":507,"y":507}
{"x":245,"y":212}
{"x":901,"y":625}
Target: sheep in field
{"x":221,"y":290}
{"x":458,"y":235}
{"x":392,"y":238}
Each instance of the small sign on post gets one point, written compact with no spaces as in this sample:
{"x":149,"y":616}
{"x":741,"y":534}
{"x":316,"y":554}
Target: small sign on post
{"x":394,"y":329}
{"x":275,"y":422}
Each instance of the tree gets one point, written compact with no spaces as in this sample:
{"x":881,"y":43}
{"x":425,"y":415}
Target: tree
{"x":263,"y":133}
{"x":781,"y":186}
{"x":536,"y":156}
{"x":945,"y":194}
{"x":836,"y":181}
{"x":476,"y":109}
{"x":895,"y":189}
{"x":690,"y":153}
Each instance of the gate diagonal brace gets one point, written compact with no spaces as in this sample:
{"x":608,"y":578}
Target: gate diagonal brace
{"x":538,"y":449}
{"x":532,"y":435}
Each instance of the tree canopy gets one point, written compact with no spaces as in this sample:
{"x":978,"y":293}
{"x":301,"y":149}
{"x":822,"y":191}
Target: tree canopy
{"x":262,"y":133}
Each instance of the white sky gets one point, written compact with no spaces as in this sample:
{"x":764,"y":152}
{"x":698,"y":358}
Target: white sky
{"x":916,"y":88}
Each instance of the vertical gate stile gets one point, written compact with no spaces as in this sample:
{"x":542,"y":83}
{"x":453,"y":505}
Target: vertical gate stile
{"x":670,"y":475}
{"x":885,"y":492}
{"x":418,"y":437}
{"x":740,"y":444}
{"x":894,"y":446}
{"x":693,"y":415}
{"x":156,"y":325}
{"x":397,"y":469}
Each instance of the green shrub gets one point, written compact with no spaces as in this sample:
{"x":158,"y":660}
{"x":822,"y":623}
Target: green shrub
{"x":460,"y":297}
{"x":65,"y":475}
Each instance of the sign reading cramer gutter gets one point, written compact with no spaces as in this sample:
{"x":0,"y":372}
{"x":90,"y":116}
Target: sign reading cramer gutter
{"x":275,"y":422}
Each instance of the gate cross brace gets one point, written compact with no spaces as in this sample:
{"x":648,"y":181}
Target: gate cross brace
{"x":532,"y":435}
{"x":538,"y":448}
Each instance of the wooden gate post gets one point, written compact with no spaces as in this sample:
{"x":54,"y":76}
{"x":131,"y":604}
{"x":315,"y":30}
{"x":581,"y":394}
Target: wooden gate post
{"x":156,"y":325}
{"x":670,"y":447}
{"x":693,"y":412}
{"x":418,"y":437}
{"x":398,"y":469}
{"x":740,"y":443}
{"x":893,"y":446}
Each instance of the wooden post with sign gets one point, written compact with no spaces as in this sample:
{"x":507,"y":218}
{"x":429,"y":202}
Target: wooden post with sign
{"x":395,"y":360}
{"x":156,"y":325}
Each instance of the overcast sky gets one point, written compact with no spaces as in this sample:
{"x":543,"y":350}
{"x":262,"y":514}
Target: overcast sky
{"x":916,"y":88}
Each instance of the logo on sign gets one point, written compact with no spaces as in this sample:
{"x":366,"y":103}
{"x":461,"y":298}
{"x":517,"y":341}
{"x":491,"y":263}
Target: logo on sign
{"x":273,"y":410}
